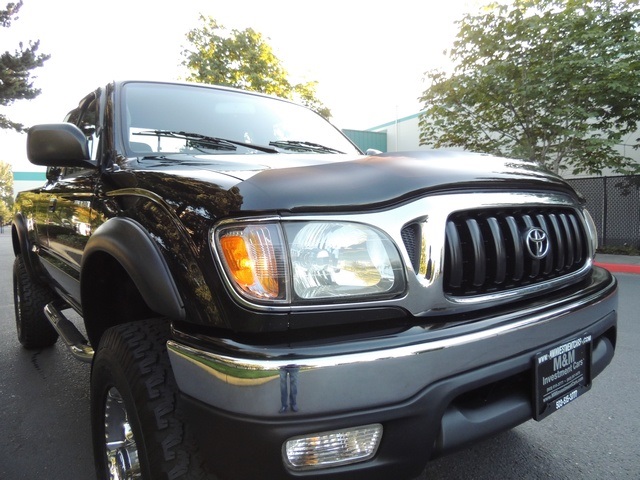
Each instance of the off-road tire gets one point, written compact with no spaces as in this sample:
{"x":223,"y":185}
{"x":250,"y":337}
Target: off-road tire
{"x":132,"y":360}
{"x":29,"y":299}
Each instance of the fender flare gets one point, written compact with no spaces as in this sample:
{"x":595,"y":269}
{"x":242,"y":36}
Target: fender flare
{"x":22,"y":246}
{"x":130,"y":245}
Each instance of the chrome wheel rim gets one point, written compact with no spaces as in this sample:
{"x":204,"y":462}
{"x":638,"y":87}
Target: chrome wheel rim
{"x":120,"y":444}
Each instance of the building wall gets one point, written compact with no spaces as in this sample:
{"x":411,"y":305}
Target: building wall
{"x":366,"y":139}
{"x":27,"y":180}
{"x":404,"y":135}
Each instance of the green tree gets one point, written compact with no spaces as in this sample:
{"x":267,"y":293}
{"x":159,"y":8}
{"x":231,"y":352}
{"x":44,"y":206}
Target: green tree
{"x":15,"y":69}
{"x":242,"y":59}
{"x":6,"y":191}
{"x":554,"y":81}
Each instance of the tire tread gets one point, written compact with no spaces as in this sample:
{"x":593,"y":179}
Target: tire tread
{"x":140,"y":348}
{"x":34,"y":330}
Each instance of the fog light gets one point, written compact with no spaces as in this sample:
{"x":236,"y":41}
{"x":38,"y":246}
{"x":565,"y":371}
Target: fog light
{"x":331,"y":449}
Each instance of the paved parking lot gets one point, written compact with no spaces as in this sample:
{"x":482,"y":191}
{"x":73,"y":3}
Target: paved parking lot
{"x":44,"y":418}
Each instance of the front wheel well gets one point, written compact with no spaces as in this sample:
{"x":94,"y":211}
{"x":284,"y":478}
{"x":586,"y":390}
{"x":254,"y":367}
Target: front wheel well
{"x":109,"y":297}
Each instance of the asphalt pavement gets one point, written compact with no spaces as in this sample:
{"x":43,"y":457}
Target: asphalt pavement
{"x":45,"y":431}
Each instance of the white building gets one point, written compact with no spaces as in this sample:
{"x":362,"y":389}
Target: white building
{"x":403,"y":134}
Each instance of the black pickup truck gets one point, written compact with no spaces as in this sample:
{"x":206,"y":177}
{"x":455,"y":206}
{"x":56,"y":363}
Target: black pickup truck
{"x":261,"y":299}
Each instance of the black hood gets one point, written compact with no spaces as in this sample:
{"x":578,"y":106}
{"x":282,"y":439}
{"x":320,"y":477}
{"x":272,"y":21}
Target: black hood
{"x":373,"y":182}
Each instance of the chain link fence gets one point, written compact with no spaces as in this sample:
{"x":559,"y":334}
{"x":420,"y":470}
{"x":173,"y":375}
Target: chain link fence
{"x":614,"y":204}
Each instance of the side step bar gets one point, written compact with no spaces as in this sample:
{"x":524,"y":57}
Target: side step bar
{"x":78,"y":345}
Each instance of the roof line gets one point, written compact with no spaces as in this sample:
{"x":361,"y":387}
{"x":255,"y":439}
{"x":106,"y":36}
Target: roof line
{"x":393,"y":122}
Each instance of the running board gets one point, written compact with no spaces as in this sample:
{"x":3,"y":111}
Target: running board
{"x":78,"y":345}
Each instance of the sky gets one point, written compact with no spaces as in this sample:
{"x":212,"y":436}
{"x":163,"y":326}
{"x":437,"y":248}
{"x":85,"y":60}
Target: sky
{"x":368,"y":57}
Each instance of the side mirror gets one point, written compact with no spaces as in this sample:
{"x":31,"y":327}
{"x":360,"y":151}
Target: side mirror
{"x":58,"y":145}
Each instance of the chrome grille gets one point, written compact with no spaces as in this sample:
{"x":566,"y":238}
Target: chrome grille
{"x":486,"y":251}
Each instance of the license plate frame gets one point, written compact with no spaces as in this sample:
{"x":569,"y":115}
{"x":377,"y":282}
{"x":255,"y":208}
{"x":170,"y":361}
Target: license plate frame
{"x":562,"y":373}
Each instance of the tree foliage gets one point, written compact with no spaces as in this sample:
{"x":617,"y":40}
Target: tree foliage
{"x":554,"y":81}
{"x":242,"y":59}
{"x":6,"y":191}
{"x":15,"y":69}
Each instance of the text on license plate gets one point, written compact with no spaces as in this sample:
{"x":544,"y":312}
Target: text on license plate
{"x":562,"y":374}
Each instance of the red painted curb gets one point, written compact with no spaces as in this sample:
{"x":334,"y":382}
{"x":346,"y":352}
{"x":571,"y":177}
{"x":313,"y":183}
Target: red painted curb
{"x":619,"y":267}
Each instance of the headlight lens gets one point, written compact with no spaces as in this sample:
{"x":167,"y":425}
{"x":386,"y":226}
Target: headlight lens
{"x":309,"y":261}
{"x":341,"y":260}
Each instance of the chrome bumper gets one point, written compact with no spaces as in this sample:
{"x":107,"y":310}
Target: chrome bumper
{"x":302,"y":382}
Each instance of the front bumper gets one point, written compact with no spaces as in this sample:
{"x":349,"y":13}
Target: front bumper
{"x":433,"y":391}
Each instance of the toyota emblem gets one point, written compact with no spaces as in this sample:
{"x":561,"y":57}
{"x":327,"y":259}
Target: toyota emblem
{"x":537,"y":242}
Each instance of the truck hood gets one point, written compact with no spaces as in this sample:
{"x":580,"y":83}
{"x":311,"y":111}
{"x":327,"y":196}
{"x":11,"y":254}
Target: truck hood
{"x":372,"y":182}
{"x":310,"y":183}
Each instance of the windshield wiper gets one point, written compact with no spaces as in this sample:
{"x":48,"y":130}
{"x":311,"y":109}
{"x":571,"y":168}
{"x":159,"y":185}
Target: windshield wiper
{"x":206,"y":141}
{"x":302,"y":146}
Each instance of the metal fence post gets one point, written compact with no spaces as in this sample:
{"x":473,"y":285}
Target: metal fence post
{"x":605,"y":206}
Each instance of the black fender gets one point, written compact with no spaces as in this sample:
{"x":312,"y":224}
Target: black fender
{"x":131,"y":246}
{"x":22,"y":246}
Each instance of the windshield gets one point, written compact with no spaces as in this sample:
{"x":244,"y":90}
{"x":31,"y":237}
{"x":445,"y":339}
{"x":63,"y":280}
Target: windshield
{"x":162,"y":119}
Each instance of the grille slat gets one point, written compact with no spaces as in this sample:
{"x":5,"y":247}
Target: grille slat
{"x":570,"y":247}
{"x":517,"y":257}
{"x":486,"y":251}
{"x":557,"y":242}
{"x":454,"y":252}
{"x":576,"y":232}
{"x":500,"y":256}
{"x":479,"y":257}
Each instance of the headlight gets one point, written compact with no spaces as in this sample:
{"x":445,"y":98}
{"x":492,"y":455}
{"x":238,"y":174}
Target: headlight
{"x":309,"y":261}
{"x":341,"y":260}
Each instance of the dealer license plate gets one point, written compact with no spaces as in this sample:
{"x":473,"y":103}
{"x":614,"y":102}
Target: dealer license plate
{"x":562,"y":374}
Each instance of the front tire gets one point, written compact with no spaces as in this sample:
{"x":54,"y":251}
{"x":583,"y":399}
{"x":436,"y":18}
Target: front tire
{"x":137,"y":428}
{"x":29,"y":299}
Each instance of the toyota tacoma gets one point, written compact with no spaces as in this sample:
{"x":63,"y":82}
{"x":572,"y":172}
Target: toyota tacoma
{"x":259,"y":298}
